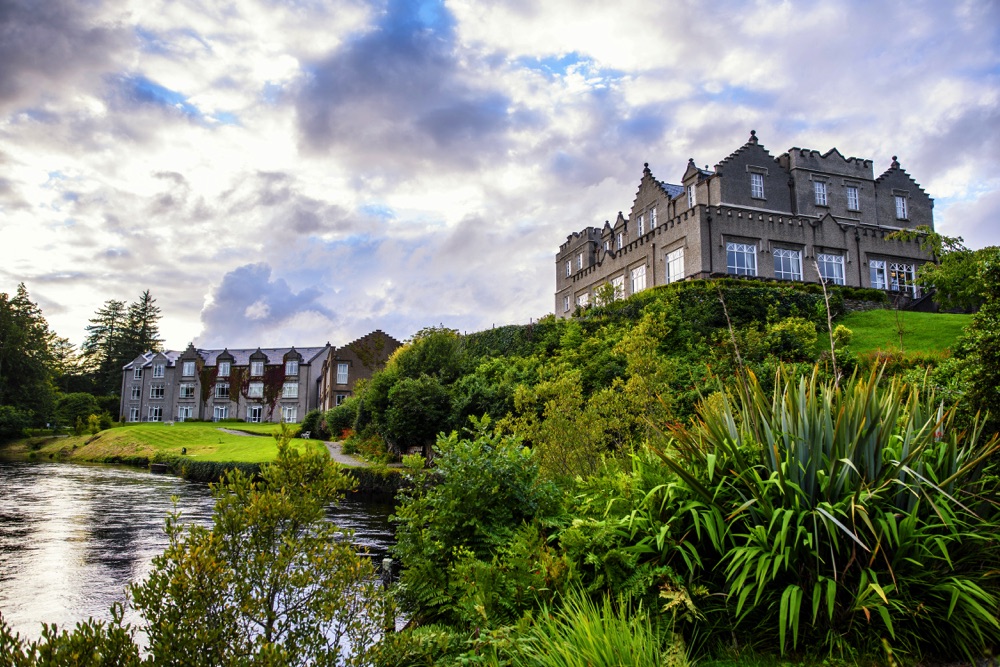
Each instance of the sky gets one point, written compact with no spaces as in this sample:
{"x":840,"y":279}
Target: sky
{"x":297,"y":172}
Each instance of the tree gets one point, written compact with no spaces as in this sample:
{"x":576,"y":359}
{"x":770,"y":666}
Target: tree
{"x":954,"y":275}
{"x":26,"y":357}
{"x":978,"y":350}
{"x":143,"y":330}
{"x":117,"y":334}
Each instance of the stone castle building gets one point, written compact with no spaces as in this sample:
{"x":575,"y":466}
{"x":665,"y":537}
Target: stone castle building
{"x":252,"y":385}
{"x":803,"y":216}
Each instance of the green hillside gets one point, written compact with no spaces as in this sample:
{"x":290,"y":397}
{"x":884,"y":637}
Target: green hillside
{"x":875,"y":330}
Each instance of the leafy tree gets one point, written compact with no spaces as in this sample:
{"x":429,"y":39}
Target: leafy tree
{"x":79,"y":405}
{"x":13,"y":421}
{"x":117,"y":334}
{"x":955,"y":274}
{"x":978,"y":350}
{"x":26,"y":358}
{"x":418,"y":410}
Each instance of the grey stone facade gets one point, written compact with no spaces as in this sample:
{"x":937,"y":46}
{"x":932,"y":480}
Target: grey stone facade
{"x":799,"y":216}
{"x":357,"y":360}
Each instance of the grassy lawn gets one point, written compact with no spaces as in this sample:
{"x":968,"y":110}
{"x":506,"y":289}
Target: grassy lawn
{"x":922,"y":332}
{"x":204,"y":441}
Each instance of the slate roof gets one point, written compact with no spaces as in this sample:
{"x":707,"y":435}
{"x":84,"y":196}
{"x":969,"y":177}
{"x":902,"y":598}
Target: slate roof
{"x":241,"y":357}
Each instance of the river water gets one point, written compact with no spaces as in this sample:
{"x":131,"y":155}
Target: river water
{"x":72,"y":536}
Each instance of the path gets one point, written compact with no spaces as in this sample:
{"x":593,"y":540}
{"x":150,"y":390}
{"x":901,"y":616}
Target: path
{"x":336,"y":449}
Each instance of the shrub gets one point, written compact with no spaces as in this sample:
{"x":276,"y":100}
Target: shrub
{"x":13,"y":421}
{"x":71,"y":407}
{"x":315,"y":423}
{"x":342,"y":417}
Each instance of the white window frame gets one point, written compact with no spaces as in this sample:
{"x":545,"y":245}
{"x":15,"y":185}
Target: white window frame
{"x":133,"y":413}
{"x":569,"y":268}
{"x":292,"y":367}
{"x":159,"y":370}
{"x":255,"y":414}
{"x":620,"y":244}
{"x":853,"y":198}
{"x":187,"y":369}
{"x":618,"y":283}
{"x":640,"y":228}
{"x":820,"y":192}
{"x":901,"y":212}
{"x":607,"y":245}
{"x":652,"y":218}
{"x":878,"y":274}
{"x":343,"y":397}
{"x":136,"y":392}
{"x":579,"y":261}
{"x":137,"y":373}
{"x":675,"y":265}
{"x":221,"y":390}
{"x":638,"y":279}
{"x":154,"y":413}
{"x":734,"y":252}
{"x":825,"y":262}
{"x":787,"y":264}
{"x":220,"y":412}
{"x":225,"y":368}
{"x":185,"y":390}
{"x":343,"y":370}
{"x":902,"y":278}
{"x":185,"y":412}
{"x":256,"y":369}
{"x":289,"y":414}
{"x":290,"y":390}
{"x":255,"y":390}
{"x":566,"y":304}
{"x":692,"y":197}
{"x":583,"y":300}
{"x":756,"y":185}
{"x":157,"y":391}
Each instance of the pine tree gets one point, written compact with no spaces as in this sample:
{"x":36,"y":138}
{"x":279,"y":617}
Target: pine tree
{"x":118,"y":334}
{"x":26,"y":356}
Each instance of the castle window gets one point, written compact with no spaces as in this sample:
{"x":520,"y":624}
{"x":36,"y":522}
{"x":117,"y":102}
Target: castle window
{"x":675,"y":265}
{"x":619,"y":240}
{"x":691,"y":198}
{"x":569,"y":268}
{"x":853,"y":201}
{"x":619,"y":285}
{"x":819,"y":188}
{"x":652,"y":218}
{"x":638,"y":279}
{"x":878,"y":274}
{"x":565,"y":304}
{"x":902,"y":278}
{"x":187,"y":369}
{"x":900,"y":207}
{"x":607,"y":246}
{"x":831,"y":268}
{"x":640,"y":227}
{"x":343,"y":397}
{"x":579,"y":261}
{"x":342,"y":373}
{"x":757,"y":185}
{"x":787,"y":264}
{"x":583,"y":300}
{"x":741,"y":259}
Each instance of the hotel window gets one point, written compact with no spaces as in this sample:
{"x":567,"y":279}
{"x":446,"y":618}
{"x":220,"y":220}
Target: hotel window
{"x":187,"y":390}
{"x":756,"y":185}
{"x":878,"y":276}
{"x":155,"y":413}
{"x":819,"y":188}
{"x":652,"y":218}
{"x":136,"y":392}
{"x":675,"y":265}
{"x":159,"y":370}
{"x":224,"y":367}
{"x":639,"y":225}
{"x":341,"y":398}
{"x":255,"y":414}
{"x":853,"y":201}
{"x":289,"y":413}
{"x":256,"y":369}
{"x":290,"y":390}
{"x":156,"y":391}
{"x":220,"y":412}
{"x":741,"y":259}
{"x":222,"y":390}
{"x":638,"y":279}
{"x":579,"y":261}
{"x":184,"y":413}
{"x":187,"y":369}
{"x":583,"y":300}
{"x":255,"y":390}
{"x":565,"y":304}
{"x":342,"y":373}
{"x":292,"y":367}
{"x":787,"y":264}
{"x":569,"y":268}
{"x":831,"y":268}
{"x":691,"y":198}
{"x":902,"y":278}
{"x":133,"y":413}
{"x":619,"y":285}
{"x":137,"y":373}
{"x":900,"y":207}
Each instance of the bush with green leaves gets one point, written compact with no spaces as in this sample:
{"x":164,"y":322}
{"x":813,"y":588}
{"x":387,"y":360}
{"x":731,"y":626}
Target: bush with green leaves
{"x":833,"y":516}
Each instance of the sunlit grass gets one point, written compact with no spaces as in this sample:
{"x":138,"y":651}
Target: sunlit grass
{"x":922,"y":332}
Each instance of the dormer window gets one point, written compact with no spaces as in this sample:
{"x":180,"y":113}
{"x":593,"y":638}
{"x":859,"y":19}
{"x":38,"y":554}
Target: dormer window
{"x":292,"y":367}
{"x":256,"y":368}
{"x":159,"y":370}
{"x":224,"y":368}
{"x":187,"y":369}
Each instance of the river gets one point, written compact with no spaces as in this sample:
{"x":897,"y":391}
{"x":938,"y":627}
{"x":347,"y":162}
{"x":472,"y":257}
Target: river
{"x":72,"y":536}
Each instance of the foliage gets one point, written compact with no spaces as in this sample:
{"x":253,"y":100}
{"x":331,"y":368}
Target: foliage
{"x":274,"y":383}
{"x":417,"y":409}
{"x":836,"y":516}
{"x":13,"y":421}
{"x":269,"y":583}
{"x":70,"y":407}
{"x":315,"y":423}
{"x":955,"y":275}
{"x":26,"y":357}
{"x":90,"y":644}
{"x":116,"y":335}
{"x":342,"y":417}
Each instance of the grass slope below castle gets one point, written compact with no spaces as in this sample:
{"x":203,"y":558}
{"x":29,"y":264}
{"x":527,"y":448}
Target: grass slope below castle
{"x":878,"y":330}
{"x":203,"y":441}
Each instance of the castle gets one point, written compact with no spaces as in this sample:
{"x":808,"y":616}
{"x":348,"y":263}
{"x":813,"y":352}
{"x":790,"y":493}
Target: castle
{"x":803,"y":216}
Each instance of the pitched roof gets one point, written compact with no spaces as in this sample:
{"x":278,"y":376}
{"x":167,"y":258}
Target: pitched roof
{"x":241,"y":357}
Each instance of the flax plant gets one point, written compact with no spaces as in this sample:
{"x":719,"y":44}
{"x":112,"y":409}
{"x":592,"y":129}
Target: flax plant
{"x":841,"y":515}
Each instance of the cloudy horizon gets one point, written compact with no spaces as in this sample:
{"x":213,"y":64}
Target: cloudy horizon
{"x":297,"y":172}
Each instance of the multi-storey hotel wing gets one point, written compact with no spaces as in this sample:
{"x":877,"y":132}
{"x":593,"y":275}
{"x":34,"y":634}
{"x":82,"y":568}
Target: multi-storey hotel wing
{"x":801,"y":216}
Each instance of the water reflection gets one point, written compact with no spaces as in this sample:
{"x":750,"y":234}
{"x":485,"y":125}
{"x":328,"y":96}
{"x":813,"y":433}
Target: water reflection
{"x":73,"y":536}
